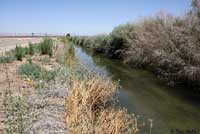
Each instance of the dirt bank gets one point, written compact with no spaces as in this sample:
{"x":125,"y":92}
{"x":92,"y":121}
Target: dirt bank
{"x":26,"y":108}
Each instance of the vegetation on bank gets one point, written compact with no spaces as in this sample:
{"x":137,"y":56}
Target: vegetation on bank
{"x":31,"y":69}
{"x":91,"y":103}
{"x":43,"y":48}
{"x":7,"y":58}
{"x":15,"y":110}
{"x":90,"y":109}
{"x":168,"y":45}
{"x":36,"y":72}
{"x":25,"y":109}
{"x":46,"y":47}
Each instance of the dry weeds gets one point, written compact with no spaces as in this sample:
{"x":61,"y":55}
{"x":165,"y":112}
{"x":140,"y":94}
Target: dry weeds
{"x":90,"y":108}
{"x":24,"y":109}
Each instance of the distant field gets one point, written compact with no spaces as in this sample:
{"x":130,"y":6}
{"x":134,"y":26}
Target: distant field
{"x":10,"y":43}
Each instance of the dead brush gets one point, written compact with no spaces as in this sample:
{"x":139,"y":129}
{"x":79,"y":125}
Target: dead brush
{"x":18,"y":115}
{"x":15,"y":110}
{"x":90,"y":109}
{"x":112,"y":121}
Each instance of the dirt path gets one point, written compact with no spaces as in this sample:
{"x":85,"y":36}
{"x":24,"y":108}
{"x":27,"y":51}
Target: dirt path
{"x":49,"y":102}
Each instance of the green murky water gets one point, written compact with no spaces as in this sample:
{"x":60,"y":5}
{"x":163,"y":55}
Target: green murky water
{"x":143,"y":94}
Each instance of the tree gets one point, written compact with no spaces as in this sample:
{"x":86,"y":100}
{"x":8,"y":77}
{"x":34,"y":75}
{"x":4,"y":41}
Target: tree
{"x":68,"y":35}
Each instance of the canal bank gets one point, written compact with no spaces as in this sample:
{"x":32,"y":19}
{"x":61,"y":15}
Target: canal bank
{"x":142,"y":93}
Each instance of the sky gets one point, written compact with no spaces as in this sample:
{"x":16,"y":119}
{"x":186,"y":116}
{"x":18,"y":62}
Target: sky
{"x":84,"y":17}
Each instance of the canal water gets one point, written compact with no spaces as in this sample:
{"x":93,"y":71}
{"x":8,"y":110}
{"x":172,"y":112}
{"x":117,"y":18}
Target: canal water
{"x":147,"y":97}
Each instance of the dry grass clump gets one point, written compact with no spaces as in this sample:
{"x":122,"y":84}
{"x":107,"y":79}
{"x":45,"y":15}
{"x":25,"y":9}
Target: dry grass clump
{"x":115,"y":122}
{"x":15,"y":110}
{"x":90,"y":109}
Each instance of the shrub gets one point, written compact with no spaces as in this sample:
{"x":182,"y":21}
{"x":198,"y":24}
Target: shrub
{"x":90,"y":109}
{"x":48,"y":75}
{"x":32,"y":70}
{"x":31,"y":49}
{"x":36,"y":72}
{"x":25,"y":50}
{"x":7,"y":59}
{"x":47,"y":47}
{"x":68,"y":35}
{"x":101,"y":42}
{"x":16,"y":110}
{"x":19,"y":53}
{"x":165,"y":44}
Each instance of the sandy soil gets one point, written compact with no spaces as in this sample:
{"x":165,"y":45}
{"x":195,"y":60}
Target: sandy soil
{"x":10,"y":43}
{"x":10,"y":80}
{"x":46,"y":106}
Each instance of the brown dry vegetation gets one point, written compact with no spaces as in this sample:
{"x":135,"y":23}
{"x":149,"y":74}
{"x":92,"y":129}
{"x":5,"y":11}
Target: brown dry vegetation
{"x":90,"y":108}
{"x":90,"y":103}
{"x":37,"y":106}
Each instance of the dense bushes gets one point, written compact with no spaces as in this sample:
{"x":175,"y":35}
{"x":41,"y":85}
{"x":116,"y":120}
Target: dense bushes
{"x":168,"y":45}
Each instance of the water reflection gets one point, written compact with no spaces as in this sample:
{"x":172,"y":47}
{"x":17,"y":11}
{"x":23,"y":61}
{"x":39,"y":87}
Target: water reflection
{"x":142,"y":93}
